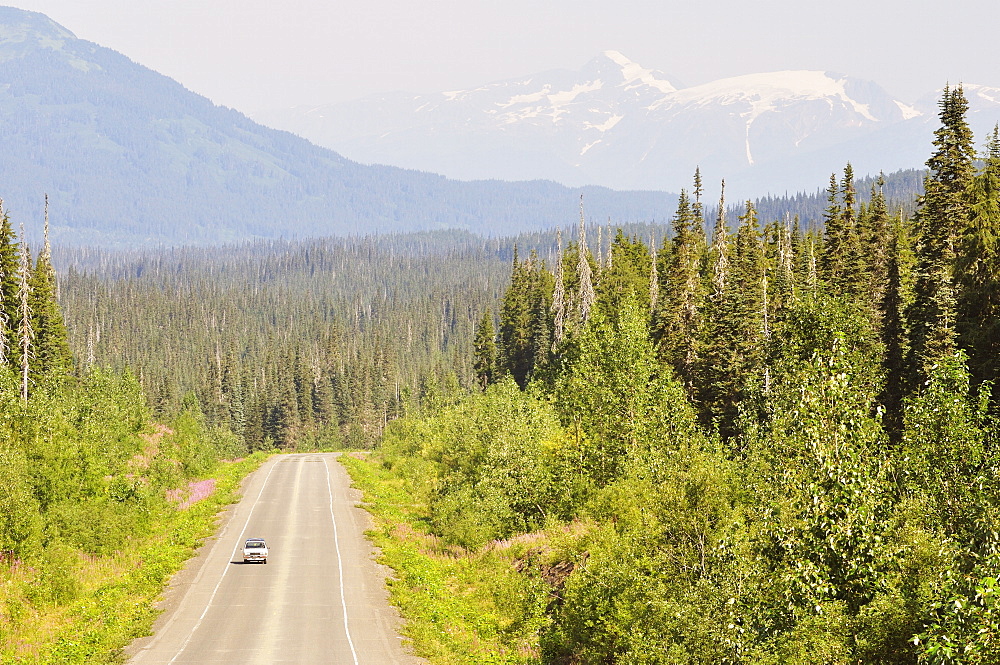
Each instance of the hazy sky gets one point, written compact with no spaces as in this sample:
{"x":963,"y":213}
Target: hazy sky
{"x":260,"y":54}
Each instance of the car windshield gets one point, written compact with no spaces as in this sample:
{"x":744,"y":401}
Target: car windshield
{"x":255,"y":543}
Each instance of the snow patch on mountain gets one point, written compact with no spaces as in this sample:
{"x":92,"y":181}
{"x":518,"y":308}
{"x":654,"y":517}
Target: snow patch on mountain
{"x":770,"y":91}
{"x":981,"y":93}
{"x":606,"y":125}
{"x":527,"y":99}
{"x":633,"y":72}
{"x":908,"y":111}
{"x":564,"y":98}
{"x":555,"y":100}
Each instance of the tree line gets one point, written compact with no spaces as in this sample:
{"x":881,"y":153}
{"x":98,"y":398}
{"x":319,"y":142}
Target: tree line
{"x":773,"y":445}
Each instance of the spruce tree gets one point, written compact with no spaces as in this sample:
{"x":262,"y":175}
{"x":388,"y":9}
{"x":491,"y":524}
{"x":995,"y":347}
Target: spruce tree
{"x":10,"y":310}
{"x":654,"y":279}
{"x":942,"y":218}
{"x":677,"y":323}
{"x":852,"y":279}
{"x":698,"y":208}
{"x":526,"y":320}
{"x":978,"y":270}
{"x":841,"y":259}
{"x":52,"y":356}
{"x":831,"y":261}
{"x":484,"y":362}
{"x":542,"y":318}
{"x":735,"y":341}
{"x":514,"y":356}
{"x":876,"y":236}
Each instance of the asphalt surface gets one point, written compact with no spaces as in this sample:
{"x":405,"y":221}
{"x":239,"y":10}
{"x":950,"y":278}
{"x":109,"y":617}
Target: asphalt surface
{"x":319,"y":599}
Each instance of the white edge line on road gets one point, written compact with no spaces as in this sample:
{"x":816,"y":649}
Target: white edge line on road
{"x":228,"y":566}
{"x":340,"y":561}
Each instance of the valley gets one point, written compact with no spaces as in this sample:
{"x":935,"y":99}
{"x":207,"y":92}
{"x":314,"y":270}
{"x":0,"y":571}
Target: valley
{"x":653,"y":373}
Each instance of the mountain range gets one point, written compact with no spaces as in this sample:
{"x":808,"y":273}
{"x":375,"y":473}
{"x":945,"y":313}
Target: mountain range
{"x":621,"y":125}
{"x":130,"y":157}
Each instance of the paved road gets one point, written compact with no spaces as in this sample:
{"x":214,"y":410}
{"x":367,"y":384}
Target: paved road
{"x":320,"y":598}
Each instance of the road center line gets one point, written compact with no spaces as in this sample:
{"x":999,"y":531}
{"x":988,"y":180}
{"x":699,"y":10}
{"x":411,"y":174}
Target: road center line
{"x":269,"y":635}
{"x":340,"y":561}
{"x":229,"y":565}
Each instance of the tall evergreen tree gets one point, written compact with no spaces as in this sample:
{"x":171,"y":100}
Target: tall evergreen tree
{"x":542,"y":318}
{"x":698,"y":208}
{"x":654,"y":279}
{"x":979,"y":270}
{"x":10,"y":310}
{"x":876,"y":239}
{"x":841,"y":260}
{"x":831,"y":261}
{"x":852,"y":280}
{"x":515,"y":333}
{"x":526,"y":320}
{"x":484,"y":361}
{"x":51,"y":354}
{"x":942,"y":218}
{"x":586,"y":294}
{"x":735,"y":340}
{"x":677,"y":322}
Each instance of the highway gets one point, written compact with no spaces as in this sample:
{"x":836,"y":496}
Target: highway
{"x":319,"y":599}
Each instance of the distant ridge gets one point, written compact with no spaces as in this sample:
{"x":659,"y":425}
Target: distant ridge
{"x":130,"y":157}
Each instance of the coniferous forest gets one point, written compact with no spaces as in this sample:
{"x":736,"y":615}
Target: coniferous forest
{"x":752,"y":437}
{"x":773,"y":444}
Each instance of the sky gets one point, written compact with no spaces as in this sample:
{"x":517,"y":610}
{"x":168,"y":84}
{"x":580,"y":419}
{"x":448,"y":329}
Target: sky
{"x":256,"y":55}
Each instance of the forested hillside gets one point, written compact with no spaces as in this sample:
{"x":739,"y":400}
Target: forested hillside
{"x":777,"y":445}
{"x":131,"y":158}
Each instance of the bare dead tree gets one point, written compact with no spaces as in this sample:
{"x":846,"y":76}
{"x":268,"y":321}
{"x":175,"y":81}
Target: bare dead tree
{"x":26,"y":334}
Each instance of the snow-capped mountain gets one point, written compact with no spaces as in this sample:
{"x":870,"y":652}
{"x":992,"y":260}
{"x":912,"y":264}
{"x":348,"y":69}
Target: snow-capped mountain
{"x":618,"y":124}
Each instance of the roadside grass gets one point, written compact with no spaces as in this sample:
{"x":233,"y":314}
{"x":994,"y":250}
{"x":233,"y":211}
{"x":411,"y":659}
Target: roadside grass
{"x":97,"y":605}
{"x":459,"y":606}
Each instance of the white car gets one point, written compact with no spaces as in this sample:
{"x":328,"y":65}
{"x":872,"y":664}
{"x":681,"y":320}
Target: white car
{"x":255,"y":550}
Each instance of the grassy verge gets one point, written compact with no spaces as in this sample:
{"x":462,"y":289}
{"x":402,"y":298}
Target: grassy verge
{"x":113,"y":596}
{"x":459,"y":606}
